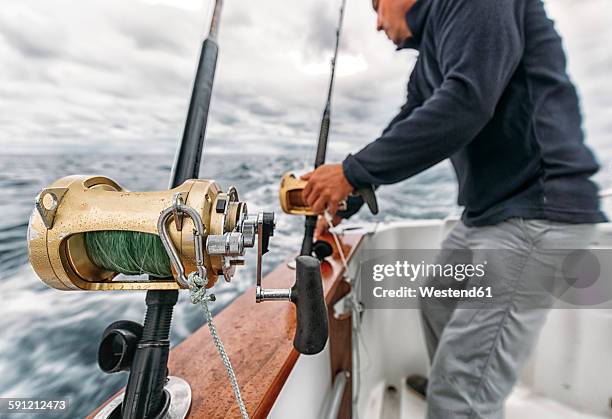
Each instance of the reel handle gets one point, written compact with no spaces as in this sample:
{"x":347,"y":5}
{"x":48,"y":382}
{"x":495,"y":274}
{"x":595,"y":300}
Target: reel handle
{"x":307,"y":294}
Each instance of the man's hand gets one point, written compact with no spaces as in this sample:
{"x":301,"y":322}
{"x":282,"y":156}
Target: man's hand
{"x":326,"y":187}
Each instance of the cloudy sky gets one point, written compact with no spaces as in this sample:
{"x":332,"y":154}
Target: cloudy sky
{"x":115,"y":75}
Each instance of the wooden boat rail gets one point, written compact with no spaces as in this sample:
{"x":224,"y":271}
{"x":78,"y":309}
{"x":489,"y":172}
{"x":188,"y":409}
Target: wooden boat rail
{"x":259,"y":341}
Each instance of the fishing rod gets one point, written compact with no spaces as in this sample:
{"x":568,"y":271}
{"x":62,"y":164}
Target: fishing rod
{"x":310,"y":222}
{"x":188,"y":156}
{"x":326,"y":119}
{"x":291,"y":187}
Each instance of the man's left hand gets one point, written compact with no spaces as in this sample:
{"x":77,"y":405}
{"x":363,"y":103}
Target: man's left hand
{"x":326,"y":187}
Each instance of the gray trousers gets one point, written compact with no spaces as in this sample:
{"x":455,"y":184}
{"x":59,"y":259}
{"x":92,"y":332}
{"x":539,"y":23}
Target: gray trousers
{"x":476,"y":353}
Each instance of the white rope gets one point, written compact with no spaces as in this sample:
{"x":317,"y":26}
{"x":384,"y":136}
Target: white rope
{"x":197,"y":293}
{"x":330,"y":223}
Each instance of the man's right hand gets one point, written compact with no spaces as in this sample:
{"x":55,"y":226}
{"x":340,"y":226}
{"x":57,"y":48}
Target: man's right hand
{"x":322,"y":226}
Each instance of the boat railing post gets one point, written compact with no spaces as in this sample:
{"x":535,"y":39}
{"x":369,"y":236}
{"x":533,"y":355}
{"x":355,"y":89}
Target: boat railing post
{"x":335,"y":397}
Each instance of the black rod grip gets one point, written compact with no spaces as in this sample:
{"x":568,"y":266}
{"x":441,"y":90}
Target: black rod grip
{"x":307,"y":295}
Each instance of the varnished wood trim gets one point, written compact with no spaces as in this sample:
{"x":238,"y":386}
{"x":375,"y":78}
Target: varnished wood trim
{"x":340,"y":348}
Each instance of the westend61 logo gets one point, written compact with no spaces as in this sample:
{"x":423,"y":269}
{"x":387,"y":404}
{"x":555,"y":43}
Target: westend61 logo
{"x":448,"y":280}
{"x":486,"y":278}
{"x":412,"y":271}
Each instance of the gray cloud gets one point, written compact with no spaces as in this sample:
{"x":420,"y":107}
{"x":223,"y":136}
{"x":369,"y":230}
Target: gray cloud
{"x":228,"y":119}
{"x":45,"y":43}
{"x":168,"y":29}
{"x":262,"y":109}
{"x":320,"y":37}
{"x":359,"y":112}
{"x":117,"y":74}
{"x":238,"y":19}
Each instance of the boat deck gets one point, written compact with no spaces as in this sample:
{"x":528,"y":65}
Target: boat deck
{"x":396,"y":401}
{"x":565,"y":377}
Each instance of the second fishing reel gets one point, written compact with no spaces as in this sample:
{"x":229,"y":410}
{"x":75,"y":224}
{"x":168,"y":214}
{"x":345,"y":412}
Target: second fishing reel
{"x":291,"y":200}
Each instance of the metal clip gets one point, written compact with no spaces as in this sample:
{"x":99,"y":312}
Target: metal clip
{"x":198,"y":234}
{"x":178,"y":199}
{"x":233,"y":194}
{"x":47,"y":202}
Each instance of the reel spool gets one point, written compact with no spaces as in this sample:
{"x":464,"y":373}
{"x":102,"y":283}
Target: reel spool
{"x":75,"y":206}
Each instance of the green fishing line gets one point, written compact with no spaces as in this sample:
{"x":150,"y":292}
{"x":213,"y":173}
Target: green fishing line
{"x":128,"y":252}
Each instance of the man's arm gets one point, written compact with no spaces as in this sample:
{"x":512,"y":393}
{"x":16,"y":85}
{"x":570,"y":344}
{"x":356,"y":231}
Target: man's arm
{"x":479,"y":47}
{"x":355,"y":202}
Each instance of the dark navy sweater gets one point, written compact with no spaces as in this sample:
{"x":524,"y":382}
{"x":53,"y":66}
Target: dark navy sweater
{"x":490,"y":92}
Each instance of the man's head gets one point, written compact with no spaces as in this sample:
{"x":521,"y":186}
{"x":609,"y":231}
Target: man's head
{"x":391,"y":18}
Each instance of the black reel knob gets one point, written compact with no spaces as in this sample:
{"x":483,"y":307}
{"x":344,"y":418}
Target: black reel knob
{"x":322,"y":249}
{"x":307,"y":295}
{"x":119,"y":342}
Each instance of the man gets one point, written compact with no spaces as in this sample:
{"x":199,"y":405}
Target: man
{"x":490,"y":92}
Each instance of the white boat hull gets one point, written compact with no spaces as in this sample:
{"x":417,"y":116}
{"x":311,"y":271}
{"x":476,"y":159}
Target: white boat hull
{"x":568,"y":375}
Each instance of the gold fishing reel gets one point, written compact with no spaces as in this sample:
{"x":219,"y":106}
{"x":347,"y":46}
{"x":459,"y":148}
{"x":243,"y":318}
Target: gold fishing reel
{"x":290,"y":196}
{"x":202,"y":228}
{"x":292,"y":202}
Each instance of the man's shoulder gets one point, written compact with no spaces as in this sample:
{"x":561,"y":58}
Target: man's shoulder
{"x":449,"y":8}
